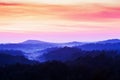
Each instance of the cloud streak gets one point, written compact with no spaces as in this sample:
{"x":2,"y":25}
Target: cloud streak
{"x":70,"y":12}
{"x":56,"y":20}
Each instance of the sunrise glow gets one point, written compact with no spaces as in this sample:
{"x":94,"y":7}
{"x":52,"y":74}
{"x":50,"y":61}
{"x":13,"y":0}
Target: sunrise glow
{"x":58,"y":20}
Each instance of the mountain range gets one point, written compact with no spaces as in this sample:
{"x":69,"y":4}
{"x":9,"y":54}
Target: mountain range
{"x":35,"y":49}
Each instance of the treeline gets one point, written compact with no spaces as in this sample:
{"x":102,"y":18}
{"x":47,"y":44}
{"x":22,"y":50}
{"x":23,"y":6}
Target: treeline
{"x":105,"y":65}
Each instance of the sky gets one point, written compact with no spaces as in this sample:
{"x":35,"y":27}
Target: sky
{"x":59,"y":20}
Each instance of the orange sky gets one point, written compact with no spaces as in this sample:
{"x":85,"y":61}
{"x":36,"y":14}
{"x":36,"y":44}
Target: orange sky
{"x":46,"y":18}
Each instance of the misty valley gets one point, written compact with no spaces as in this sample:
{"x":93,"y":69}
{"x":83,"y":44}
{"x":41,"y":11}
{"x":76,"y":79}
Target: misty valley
{"x":38,"y":60}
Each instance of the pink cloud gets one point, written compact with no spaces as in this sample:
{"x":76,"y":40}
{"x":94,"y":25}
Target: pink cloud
{"x":105,"y":14}
{"x":62,"y":12}
{"x":9,"y":4}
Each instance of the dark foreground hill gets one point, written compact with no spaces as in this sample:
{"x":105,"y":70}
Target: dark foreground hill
{"x":9,"y":57}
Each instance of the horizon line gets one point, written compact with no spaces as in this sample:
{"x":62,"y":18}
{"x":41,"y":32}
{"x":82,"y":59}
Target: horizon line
{"x":84,"y":41}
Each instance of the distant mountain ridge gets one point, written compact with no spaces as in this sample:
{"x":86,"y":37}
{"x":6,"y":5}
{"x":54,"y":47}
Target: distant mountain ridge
{"x":110,"y":41}
{"x":34,"y":42}
{"x":111,"y":44}
{"x":72,"y":42}
{"x":31,"y":46}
